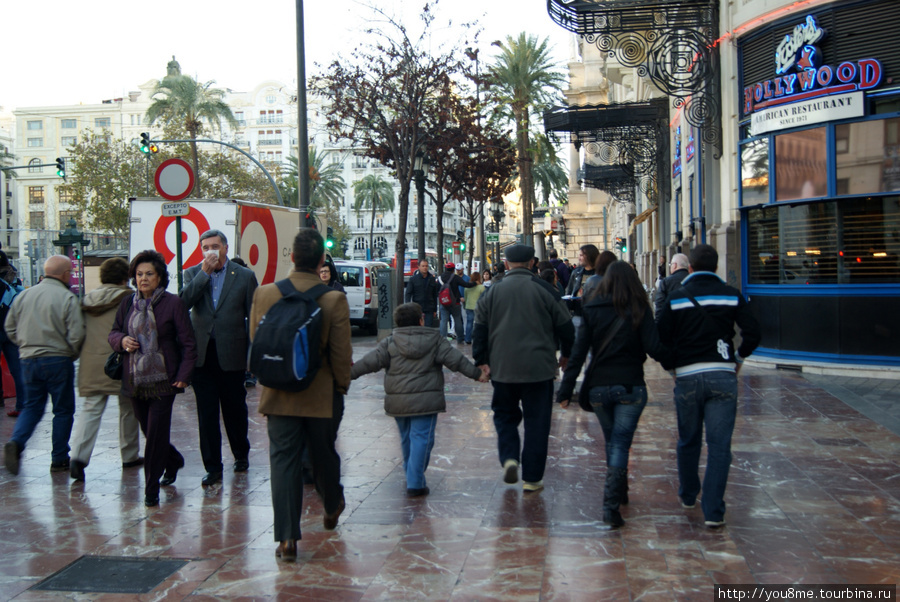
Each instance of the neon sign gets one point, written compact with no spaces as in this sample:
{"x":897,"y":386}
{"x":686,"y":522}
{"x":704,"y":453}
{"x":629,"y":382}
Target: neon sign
{"x":801,"y":76}
{"x":690,"y":145}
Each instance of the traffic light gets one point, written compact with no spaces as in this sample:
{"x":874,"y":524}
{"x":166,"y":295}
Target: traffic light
{"x":310,"y":221}
{"x":61,"y":167}
{"x":153,"y":148}
{"x":329,"y":238}
{"x":145,"y":142}
{"x":621,"y":245}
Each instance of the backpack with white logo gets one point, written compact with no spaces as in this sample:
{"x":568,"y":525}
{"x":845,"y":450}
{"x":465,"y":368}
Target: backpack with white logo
{"x":445,"y":298}
{"x":284,"y":353}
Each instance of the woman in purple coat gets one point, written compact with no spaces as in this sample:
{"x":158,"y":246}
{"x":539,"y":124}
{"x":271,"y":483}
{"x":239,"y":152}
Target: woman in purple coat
{"x":154,"y":329}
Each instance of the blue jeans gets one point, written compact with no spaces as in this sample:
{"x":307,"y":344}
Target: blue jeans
{"x":470,"y":323}
{"x":417,"y":441}
{"x":11,"y":352}
{"x":708,"y":398}
{"x":53,"y":376}
{"x":537,"y":408}
{"x":456,"y":313}
{"x":619,"y":412}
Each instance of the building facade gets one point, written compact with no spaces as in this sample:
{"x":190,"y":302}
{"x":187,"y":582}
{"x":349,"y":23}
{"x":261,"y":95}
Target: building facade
{"x":783,"y":143}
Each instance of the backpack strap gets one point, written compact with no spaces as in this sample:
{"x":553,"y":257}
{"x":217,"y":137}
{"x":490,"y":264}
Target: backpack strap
{"x":287,"y":289}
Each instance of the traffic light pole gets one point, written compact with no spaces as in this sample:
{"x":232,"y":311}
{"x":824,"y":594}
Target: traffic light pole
{"x":231,"y":146}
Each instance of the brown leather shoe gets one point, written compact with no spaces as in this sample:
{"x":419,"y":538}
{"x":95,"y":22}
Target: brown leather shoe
{"x":287,"y":550}
{"x":331,"y":520}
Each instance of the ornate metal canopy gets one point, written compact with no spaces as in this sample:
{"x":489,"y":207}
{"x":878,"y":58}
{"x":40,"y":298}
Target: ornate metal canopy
{"x":628,"y":143}
{"x":616,"y":180}
{"x":671,"y":42}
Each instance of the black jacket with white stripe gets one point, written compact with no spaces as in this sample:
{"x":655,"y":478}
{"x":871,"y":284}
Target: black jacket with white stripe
{"x":703,"y":337}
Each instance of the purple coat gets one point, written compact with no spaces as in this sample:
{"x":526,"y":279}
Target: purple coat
{"x":176,"y":339}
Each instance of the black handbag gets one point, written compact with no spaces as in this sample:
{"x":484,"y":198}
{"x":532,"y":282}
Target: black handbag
{"x":584,"y":397}
{"x":114,"y":365}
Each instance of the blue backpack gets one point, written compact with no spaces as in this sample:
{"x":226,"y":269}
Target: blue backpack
{"x":284,"y":353}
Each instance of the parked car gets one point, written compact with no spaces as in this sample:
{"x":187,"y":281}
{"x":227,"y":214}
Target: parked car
{"x":360,"y":282}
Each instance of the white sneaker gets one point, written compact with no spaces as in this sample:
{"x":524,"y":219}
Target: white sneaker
{"x":715,"y":524}
{"x":510,"y":471}
{"x":529,"y":486}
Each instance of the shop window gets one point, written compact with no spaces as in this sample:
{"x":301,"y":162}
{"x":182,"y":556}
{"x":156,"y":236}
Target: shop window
{"x":870,"y":250}
{"x":851,"y":241}
{"x":871,"y":159}
{"x":755,"y":172}
{"x":801,"y":166}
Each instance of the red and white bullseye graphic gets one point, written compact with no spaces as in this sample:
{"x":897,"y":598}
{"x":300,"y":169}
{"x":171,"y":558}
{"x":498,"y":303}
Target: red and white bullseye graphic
{"x":174,"y":179}
{"x":259,"y":242}
{"x":192,"y":226}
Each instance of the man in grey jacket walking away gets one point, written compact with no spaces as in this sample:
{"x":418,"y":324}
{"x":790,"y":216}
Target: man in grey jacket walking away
{"x":45,"y":321}
{"x":517,"y":325}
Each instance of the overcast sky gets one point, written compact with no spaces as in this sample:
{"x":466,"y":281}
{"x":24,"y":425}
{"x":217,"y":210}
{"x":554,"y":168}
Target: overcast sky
{"x":59,"y":52}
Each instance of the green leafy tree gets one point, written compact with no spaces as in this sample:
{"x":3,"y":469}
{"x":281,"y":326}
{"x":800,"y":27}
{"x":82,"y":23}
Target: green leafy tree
{"x":523,"y":82}
{"x":183,"y":100}
{"x":102,"y":173}
{"x":326,"y":185}
{"x":375,"y":193}
{"x":230,"y":175}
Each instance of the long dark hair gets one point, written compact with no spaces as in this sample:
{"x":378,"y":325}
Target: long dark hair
{"x":622,"y":286}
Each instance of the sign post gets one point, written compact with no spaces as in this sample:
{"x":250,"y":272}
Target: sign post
{"x":174,"y":182}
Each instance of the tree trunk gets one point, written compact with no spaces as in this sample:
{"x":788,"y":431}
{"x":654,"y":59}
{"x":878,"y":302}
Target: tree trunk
{"x":400,"y":244}
{"x":196,"y":192}
{"x":525,"y":180}
{"x":372,"y":232}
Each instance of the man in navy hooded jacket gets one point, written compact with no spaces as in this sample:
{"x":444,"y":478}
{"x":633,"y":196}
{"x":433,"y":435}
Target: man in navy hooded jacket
{"x":698,"y":320}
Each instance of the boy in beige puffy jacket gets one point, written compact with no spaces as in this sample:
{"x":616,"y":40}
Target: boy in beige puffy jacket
{"x":413,"y":357}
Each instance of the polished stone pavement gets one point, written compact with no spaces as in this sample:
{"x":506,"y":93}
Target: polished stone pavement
{"x":813,"y":497}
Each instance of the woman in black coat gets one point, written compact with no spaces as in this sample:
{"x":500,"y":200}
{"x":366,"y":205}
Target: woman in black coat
{"x":619,"y":331}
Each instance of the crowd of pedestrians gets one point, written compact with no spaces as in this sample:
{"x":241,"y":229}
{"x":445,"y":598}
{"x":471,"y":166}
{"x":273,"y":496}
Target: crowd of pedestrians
{"x":526,"y":322}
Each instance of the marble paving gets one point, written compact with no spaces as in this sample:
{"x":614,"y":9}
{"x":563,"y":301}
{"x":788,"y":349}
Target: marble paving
{"x":813,"y":497}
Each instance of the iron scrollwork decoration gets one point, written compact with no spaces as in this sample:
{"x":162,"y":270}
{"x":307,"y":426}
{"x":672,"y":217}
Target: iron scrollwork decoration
{"x":674,"y":43}
{"x":626,"y":145}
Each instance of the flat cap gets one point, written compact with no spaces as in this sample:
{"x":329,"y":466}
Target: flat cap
{"x":519,"y":253}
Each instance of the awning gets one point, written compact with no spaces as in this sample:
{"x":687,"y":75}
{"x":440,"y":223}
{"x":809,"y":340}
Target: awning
{"x":644,"y":216}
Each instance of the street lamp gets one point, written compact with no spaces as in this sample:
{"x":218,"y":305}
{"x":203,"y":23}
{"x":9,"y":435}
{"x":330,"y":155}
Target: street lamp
{"x":419,"y":167}
{"x":497,"y":215}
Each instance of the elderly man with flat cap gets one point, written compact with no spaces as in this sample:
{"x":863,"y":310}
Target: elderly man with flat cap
{"x":517,"y":324}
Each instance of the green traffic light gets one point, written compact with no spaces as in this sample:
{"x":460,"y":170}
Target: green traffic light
{"x":329,"y":243}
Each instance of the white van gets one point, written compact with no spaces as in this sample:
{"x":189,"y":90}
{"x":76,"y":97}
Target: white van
{"x":360,"y":282}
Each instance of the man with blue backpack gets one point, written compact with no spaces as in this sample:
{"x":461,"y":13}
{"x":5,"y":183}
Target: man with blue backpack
{"x":304,"y":377}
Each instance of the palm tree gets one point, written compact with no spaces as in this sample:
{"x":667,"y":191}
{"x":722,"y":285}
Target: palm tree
{"x":376,"y":193}
{"x":326,"y":185}
{"x":524,"y":83}
{"x":182,"y":100}
{"x":549,"y":172}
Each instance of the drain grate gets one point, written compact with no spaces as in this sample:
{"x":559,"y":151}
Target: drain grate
{"x":111,"y":574}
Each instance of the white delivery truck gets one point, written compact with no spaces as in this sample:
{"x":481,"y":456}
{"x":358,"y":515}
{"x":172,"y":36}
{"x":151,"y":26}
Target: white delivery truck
{"x":262,"y":235}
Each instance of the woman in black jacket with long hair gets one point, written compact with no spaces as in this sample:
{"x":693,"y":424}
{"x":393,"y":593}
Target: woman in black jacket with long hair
{"x":619,"y":331}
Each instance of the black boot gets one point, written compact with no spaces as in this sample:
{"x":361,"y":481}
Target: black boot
{"x":624,"y":500}
{"x":612,"y":496}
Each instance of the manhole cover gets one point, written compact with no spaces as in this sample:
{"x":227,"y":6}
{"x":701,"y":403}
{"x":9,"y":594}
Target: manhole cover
{"x":111,"y":574}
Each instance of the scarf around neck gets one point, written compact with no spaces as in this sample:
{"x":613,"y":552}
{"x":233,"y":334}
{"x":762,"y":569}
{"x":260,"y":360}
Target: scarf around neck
{"x":148,"y":367}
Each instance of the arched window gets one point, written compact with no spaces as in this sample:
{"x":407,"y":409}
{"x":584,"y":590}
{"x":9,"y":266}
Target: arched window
{"x":34,"y":166}
{"x":360,"y":244}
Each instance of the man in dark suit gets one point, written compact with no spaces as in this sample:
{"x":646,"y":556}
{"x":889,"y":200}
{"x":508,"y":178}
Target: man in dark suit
{"x":422,"y":288}
{"x":219,"y":294}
